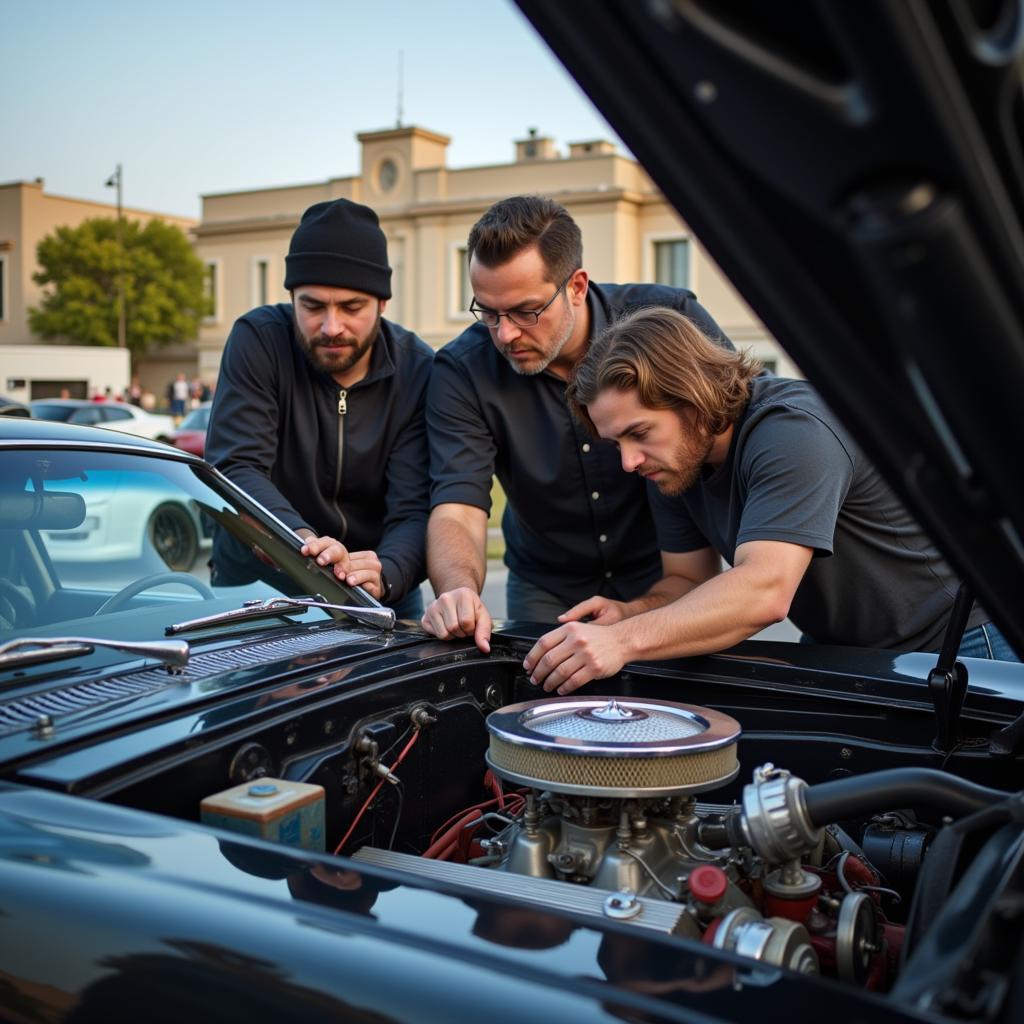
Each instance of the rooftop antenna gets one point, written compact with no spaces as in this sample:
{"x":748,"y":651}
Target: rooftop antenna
{"x":398,"y":120}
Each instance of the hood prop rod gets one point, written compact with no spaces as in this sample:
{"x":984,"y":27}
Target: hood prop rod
{"x":947,"y":682}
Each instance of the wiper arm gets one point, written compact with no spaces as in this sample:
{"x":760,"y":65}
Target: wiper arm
{"x":38,"y":650}
{"x":381,"y":618}
{"x":249,"y":610}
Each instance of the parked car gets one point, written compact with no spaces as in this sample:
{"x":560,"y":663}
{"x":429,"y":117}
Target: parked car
{"x":12,"y":407}
{"x":190,"y":436}
{"x":129,"y":419}
{"x":130,"y":518}
{"x":249,"y":795}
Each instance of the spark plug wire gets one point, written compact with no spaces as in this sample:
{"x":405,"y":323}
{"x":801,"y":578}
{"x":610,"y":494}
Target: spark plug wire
{"x":376,"y":789}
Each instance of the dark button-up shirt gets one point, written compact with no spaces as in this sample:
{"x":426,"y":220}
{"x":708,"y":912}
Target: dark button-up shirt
{"x":575,"y":523}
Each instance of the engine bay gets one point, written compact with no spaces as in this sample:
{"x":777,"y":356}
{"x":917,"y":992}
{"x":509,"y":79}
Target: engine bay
{"x":632,"y":808}
{"x":606,"y":797}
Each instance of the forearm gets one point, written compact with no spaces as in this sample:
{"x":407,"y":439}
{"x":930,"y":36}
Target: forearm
{"x":456,"y":548}
{"x":731,"y":607}
{"x":665,"y":591}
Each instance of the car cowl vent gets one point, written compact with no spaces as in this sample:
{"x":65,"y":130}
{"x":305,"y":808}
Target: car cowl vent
{"x":23,"y":712}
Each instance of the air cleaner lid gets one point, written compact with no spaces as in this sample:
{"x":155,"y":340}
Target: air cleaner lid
{"x":613,"y":746}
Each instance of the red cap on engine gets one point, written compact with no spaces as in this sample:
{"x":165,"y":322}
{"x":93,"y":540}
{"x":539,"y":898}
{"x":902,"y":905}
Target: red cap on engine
{"x":708,"y":883}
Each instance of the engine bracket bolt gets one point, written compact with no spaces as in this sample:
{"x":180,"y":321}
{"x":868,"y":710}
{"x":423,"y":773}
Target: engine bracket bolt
{"x":622,"y":905}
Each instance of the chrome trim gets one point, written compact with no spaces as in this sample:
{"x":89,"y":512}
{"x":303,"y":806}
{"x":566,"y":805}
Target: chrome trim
{"x":512,"y":724}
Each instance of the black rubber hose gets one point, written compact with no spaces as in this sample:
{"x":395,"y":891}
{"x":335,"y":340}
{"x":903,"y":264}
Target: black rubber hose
{"x":861,"y":795}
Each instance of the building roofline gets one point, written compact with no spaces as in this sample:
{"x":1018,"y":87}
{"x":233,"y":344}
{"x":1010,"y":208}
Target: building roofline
{"x":432,"y":208}
{"x":403,"y":132}
{"x":247,"y":225}
{"x":278,"y":188}
{"x":126,"y":210}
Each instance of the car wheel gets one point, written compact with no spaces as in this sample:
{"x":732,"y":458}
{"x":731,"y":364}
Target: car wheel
{"x":173,"y":533}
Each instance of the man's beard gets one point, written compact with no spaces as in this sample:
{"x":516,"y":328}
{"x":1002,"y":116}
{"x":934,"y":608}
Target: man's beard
{"x":332,"y":363}
{"x":545,"y":358}
{"x":690,"y":457}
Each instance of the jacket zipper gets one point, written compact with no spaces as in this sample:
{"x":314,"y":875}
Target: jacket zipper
{"x":342,"y":409}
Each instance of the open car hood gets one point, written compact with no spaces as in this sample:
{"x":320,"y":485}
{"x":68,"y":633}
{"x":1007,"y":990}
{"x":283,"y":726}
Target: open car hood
{"x":857,"y":172}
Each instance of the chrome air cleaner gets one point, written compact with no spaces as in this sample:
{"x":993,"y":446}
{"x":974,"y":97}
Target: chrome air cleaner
{"x":613,"y":747}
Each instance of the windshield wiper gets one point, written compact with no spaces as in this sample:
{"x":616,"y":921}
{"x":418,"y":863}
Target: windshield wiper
{"x":30,"y":650}
{"x":381,"y":618}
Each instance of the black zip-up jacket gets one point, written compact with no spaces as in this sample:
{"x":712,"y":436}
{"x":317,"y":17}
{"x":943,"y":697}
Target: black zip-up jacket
{"x":349,"y":463}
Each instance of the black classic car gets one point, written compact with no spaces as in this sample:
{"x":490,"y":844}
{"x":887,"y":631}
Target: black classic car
{"x":258,"y":797}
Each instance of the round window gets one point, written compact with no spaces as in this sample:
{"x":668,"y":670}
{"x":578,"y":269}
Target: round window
{"x":387,"y":175}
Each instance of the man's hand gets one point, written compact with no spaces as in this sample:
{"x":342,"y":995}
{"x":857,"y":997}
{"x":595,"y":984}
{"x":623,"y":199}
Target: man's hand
{"x":356,"y":568}
{"x":572,"y":655}
{"x":602,"y":610}
{"x":459,"y":613}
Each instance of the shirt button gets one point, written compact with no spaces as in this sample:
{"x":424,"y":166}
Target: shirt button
{"x":603,"y":538}
{"x":586,"y":447}
{"x":608,"y":575}
{"x":595,"y":495}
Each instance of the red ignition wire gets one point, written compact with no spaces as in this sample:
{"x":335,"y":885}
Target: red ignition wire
{"x":449,"y":838}
{"x":513,"y":804}
{"x":459,"y":816}
{"x":376,"y":789}
{"x":493,"y":783}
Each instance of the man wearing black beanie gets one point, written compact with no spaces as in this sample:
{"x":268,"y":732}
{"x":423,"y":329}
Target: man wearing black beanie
{"x":318,"y":413}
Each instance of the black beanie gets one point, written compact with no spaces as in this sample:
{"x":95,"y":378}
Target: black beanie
{"x":339,"y":244}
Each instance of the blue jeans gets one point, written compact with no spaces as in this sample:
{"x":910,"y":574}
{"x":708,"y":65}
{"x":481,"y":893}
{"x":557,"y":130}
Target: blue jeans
{"x":527,"y":602}
{"x":985,"y":641}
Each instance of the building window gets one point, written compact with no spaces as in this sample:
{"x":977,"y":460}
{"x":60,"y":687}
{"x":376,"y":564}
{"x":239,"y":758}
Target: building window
{"x":3,"y":287}
{"x":461,"y":291}
{"x":672,"y":262}
{"x":387,"y":175}
{"x":260,"y":277}
{"x":212,"y":291}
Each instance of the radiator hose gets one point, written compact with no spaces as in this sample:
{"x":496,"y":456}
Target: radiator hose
{"x":781,"y":815}
{"x":861,"y":795}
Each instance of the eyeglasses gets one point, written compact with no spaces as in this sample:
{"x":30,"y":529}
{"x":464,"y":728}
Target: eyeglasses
{"x":520,"y":317}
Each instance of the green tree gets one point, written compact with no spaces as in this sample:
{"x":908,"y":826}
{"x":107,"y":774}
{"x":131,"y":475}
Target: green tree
{"x":163,"y":284}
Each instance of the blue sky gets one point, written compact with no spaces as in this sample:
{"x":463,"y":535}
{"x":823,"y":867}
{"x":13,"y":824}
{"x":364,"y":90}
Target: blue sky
{"x":198,"y":97}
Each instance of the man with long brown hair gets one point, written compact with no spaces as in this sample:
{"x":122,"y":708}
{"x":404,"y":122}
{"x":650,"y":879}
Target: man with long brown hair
{"x":754,"y":469}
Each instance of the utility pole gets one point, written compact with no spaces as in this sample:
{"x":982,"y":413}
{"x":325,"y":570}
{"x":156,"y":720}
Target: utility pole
{"x":116,"y":180}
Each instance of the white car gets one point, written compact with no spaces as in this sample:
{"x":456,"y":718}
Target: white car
{"x":132,"y":517}
{"x":129,"y":419}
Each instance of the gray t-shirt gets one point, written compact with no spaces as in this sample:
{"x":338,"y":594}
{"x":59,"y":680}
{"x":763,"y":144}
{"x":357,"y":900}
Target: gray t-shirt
{"x":794,"y":474}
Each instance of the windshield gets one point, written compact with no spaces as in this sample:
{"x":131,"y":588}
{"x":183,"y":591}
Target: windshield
{"x":122,"y":546}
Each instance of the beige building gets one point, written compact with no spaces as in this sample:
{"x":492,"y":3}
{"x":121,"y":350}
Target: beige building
{"x":27,"y":215}
{"x":630,"y":233}
{"x":426,"y":209}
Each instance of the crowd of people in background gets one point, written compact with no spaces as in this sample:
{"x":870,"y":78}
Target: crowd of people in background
{"x":181,"y":395}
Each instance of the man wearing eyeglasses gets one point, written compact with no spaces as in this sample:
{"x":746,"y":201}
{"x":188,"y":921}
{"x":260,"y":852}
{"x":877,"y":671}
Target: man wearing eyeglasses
{"x":575,"y":525}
